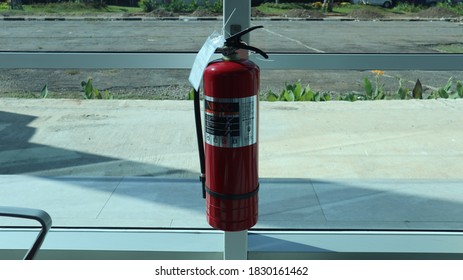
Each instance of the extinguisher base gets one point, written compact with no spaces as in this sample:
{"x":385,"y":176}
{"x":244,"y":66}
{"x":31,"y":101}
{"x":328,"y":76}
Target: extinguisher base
{"x":235,"y":226}
{"x":232,"y":215}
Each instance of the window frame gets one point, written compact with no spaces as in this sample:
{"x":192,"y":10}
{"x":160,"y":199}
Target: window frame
{"x":150,"y":244}
{"x":278,"y":61}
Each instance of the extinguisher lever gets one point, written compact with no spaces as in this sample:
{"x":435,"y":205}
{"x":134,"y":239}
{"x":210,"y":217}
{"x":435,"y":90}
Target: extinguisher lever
{"x":254,"y":49}
{"x":236,"y":38}
{"x":234,"y":43}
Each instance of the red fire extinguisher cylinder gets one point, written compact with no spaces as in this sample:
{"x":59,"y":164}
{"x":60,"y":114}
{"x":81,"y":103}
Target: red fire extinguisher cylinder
{"x":231,"y":150}
{"x":231,"y":87}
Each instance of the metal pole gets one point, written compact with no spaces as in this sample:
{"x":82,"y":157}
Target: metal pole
{"x":236,"y":17}
{"x":235,"y":245}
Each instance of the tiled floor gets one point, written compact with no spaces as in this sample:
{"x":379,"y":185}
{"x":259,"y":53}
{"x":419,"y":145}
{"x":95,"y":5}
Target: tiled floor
{"x":283,"y":203}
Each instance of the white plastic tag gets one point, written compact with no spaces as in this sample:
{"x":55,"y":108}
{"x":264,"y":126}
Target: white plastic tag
{"x":214,"y":41}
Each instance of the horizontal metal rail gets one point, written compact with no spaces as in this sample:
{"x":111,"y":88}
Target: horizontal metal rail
{"x":277,"y":61}
{"x":190,"y":244}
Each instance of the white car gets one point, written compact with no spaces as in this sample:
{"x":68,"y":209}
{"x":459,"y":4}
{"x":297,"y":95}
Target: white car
{"x":383,"y":3}
{"x":434,"y":2}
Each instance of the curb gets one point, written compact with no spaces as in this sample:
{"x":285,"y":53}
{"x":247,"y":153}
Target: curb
{"x":188,"y":18}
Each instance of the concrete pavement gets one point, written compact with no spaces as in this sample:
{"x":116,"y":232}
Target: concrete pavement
{"x":379,"y":164}
{"x":382,"y":139}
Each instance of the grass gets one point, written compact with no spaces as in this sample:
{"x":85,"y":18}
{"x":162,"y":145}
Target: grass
{"x":67,"y":8}
{"x":339,"y":9}
{"x":4,"y":7}
{"x":405,"y":8}
{"x":450,"y":48}
{"x":70,"y":8}
{"x":347,"y":8}
{"x":279,"y":9}
{"x":458,"y":8}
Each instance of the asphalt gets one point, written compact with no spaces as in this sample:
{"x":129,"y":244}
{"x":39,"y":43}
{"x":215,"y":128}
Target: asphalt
{"x":129,"y":163}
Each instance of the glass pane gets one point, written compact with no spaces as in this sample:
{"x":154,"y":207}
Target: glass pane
{"x":133,"y":163}
{"x":389,"y":164}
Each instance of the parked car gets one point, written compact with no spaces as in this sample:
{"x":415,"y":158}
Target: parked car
{"x":434,"y":2}
{"x":382,"y":3}
{"x":430,"y":2}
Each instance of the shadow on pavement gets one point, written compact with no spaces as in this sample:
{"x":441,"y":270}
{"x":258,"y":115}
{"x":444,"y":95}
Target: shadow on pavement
{"x":19,"y":156}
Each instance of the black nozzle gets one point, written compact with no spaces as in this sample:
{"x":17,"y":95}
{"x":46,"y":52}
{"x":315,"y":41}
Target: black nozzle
{"x":234,"y":43}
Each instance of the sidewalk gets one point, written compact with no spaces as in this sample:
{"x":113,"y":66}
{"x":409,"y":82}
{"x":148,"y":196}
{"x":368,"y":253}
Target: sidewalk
{"x":381,"y":164}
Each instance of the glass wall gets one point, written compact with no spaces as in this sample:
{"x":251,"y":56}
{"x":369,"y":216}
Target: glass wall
{"x":328,"y":164}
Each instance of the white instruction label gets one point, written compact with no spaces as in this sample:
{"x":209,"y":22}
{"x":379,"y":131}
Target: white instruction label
{"x":214,"y":41}
{"x":231,"y":122}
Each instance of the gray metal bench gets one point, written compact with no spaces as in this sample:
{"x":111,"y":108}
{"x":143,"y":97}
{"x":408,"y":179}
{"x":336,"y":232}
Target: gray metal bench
{"x":32,"y":214}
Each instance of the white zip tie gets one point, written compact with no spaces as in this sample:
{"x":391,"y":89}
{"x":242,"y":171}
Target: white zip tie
{"x":226,"y":22}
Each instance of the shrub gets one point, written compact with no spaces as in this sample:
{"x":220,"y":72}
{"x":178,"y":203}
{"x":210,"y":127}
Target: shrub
{"x":295,"y":92}
{"x":148,"y":5}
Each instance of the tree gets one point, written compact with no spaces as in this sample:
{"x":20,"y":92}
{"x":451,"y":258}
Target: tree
{"x":16,"y":4}
{"x":327,"y":6}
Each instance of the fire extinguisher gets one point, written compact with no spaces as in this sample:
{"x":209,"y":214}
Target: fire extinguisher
{"x":229,"y":156}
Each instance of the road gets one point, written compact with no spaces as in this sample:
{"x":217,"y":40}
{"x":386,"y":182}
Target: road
{"x":288,"y":36}
{"x":293,"y":36}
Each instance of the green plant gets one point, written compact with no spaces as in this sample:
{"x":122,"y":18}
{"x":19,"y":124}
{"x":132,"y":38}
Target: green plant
{"x":378,"y":92}
{"x":285,"y":6}
{"x":282,"y":8}
{"x":401,"y":93}
{"x":193,"y":5}
{"x":44,"y":91}
{"x":351,"y":96}
{"x":4,"y":6}
{"x":407,"y":8}
{"x":447,"y":91}
{"x":16,"y":5}
{"x":216,"y":7}
{"x":417,"y":91}
{"x":191,"y":94}
{"x":455,"y":8}
{"x":148,"y":5}
{"x":295,"y":92}
{"x":177,"y":6}
{"x":372,"y":91}
{"x":91,"y":92}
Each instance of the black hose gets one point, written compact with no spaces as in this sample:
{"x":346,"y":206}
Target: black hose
{"x":199,"y":136}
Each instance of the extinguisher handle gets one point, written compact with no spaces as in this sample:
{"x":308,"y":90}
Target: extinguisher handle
{"x":234,"y":43}
{"x":199,"y":136}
